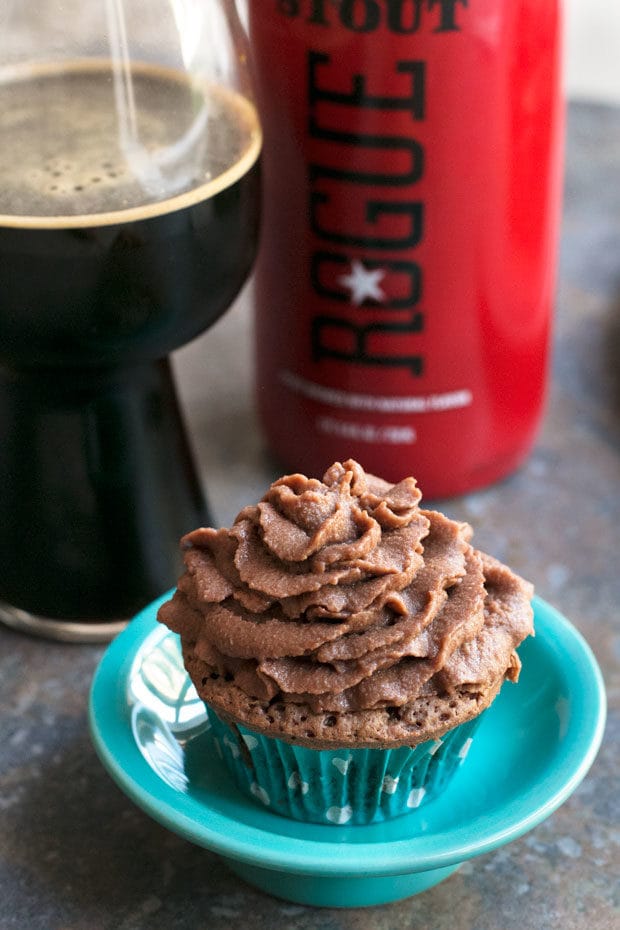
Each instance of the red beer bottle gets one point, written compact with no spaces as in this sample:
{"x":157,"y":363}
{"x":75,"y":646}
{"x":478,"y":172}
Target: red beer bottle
{"x":412,"y":172}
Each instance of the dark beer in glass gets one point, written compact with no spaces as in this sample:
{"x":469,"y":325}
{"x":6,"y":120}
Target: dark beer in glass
{"x":128,"y":223}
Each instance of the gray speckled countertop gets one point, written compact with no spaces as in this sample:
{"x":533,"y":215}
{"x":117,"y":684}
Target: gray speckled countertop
{"x":76,"y":854}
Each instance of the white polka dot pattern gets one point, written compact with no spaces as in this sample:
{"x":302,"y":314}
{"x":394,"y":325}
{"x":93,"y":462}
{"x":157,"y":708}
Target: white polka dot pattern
{"x":335,"y":786}
{"x":339,"y":814}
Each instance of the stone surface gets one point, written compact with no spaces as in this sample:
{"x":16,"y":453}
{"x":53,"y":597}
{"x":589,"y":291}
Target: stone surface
{"x":76,"y":854}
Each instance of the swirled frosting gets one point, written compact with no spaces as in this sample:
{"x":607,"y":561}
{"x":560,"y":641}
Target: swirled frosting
{"x":339,"y":611}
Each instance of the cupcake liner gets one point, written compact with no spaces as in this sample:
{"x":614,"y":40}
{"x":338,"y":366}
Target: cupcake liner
{"x":339,"y":786}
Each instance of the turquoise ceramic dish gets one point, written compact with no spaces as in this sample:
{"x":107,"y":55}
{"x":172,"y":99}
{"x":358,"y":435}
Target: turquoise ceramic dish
{"x":149,"y":728}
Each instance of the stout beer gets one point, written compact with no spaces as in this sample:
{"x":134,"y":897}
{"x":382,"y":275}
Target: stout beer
{"x":128,"y":222}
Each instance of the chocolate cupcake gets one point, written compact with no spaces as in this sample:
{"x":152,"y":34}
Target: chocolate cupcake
{"x":346,"y":643}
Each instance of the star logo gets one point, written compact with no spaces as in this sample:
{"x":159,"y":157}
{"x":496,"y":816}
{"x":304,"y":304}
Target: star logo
{"x":363,"y":283}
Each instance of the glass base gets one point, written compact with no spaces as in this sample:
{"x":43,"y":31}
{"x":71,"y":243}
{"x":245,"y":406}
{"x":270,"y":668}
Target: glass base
{"x":70,"y":631}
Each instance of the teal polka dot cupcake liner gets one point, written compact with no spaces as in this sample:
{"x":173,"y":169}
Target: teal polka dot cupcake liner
{"x":339,"y":786}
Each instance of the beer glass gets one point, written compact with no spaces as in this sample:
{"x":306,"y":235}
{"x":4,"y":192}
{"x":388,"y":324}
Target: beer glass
{"x":129,"y":149}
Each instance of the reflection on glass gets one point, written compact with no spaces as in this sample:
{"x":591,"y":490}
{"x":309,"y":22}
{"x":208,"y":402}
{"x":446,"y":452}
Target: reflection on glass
{"x":166,"y":711}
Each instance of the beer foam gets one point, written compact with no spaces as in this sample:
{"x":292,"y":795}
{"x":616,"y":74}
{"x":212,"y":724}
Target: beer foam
{"x":87,"y":143}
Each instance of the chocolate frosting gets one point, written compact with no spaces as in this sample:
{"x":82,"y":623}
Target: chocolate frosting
{"x":343,"y":600}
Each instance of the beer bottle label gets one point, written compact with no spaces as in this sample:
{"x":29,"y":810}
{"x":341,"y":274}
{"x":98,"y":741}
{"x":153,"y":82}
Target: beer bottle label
{"x":412,"y":171}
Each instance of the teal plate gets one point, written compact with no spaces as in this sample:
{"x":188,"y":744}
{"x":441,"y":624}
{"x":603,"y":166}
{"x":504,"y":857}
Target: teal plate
{"x":534,"y":746}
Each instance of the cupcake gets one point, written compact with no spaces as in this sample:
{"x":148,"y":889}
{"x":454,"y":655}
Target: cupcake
{"x":346,"y":643}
